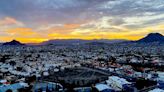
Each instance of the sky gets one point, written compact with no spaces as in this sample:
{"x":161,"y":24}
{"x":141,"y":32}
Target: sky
{"x":34,"y":21}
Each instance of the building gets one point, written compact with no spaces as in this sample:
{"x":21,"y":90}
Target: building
{"x":104,"y":88}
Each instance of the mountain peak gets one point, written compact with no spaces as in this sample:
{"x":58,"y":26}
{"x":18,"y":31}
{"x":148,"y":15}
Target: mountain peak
{"x":13,"y":42}
{"x":152,"y":37}
{"x":155,"y":34}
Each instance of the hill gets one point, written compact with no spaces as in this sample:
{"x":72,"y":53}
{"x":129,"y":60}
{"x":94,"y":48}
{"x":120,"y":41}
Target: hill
{"x":13,"y":42}
{"x":152,"y":37}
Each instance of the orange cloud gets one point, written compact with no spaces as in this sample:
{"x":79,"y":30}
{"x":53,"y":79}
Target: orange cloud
{"x":5,"y":39}
{"x":25,"y":35}
{"x":71,"y":26}
{"x":21,"y":31}
{"x":10,"y":21}
{"x":73,"y":31}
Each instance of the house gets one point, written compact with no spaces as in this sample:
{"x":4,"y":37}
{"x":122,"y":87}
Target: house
{"x":104,"y":88}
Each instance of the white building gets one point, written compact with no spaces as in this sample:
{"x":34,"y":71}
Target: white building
{"x":116,"y":82}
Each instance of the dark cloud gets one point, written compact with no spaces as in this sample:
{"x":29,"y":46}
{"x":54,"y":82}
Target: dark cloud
{"x":73,"y":11}
{"x":116,"y":21}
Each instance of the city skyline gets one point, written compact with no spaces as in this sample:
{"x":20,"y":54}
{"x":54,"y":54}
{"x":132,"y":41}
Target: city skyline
{"x":40,"y":20}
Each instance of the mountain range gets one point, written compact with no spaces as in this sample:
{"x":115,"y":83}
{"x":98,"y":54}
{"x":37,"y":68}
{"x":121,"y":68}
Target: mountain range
{"x":80,"y":41}
{"x":150,"y":38}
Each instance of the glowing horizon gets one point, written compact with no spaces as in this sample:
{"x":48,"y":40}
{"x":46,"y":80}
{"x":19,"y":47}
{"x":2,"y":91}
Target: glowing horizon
{"x":79,"y":19}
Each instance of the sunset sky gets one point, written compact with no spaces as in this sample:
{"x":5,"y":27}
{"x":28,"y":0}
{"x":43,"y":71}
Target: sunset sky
{"x":40,"y":20}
